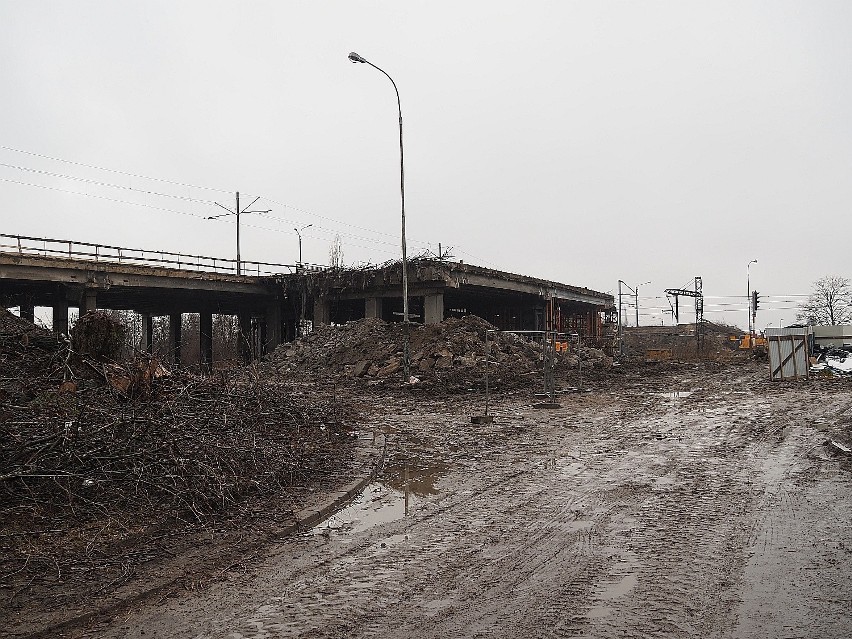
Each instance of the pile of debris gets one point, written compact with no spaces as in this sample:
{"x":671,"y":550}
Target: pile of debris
{"x":679,"y":343}
{"x":447,"y":357}
{"x":835,"y":360}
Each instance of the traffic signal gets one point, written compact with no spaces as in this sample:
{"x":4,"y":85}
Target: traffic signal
{"x":755,"y":298}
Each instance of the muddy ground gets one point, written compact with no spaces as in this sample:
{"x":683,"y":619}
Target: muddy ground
{"x":685,"y":500}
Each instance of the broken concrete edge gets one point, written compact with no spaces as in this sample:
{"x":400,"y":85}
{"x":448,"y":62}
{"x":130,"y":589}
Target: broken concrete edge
{"x":305,"y":519}
{"x":309,"y":517}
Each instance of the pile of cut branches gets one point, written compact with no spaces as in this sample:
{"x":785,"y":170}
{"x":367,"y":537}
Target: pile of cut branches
{"x":193,"y":446}
{"x":82,"y":457}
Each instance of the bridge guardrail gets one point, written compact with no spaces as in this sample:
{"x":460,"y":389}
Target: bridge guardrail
{"x":49,"y":247}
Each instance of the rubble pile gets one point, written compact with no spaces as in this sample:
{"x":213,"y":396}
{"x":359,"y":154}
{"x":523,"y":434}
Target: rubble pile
{"x":720,"y":342}
{"x":834,"y":361}
{"x":447,"y":357}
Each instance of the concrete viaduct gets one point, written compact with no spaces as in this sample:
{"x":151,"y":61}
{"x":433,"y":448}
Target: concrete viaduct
{"x":270,"y":306}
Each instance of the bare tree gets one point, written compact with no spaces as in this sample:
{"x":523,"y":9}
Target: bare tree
{"x":335,"y":255}
{"x":830,"y":303}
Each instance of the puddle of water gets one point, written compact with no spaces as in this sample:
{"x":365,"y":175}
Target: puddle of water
{"x":596,"y":612}
{"x":578,"y":524}
{"x":675,"y":394}
{"x":421,"y":481}
{"x":392,"y":497}
{"x":616,"y":589}
{"x":376,"y":504}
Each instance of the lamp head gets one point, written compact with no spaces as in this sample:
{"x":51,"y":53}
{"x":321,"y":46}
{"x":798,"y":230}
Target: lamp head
{"x":354,"y":57}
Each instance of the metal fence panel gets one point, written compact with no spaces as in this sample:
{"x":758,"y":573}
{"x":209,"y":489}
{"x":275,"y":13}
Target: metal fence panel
{"x":788,"y":353}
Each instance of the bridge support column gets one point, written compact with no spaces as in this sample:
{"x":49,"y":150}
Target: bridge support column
{"x":538,"y":318}
{"x":291,"y":329}
{"x":147,"y":345}
{"x":433,"y":308}
{"x":244,"y":341}
{"x":322,"y":311}
{"x":205,"y":325}
{"x":175,"y":337}
{"x":262,"y":336}
{"x":274,"y":327}
{"x":28,"y":310}
{"x":88,"y":301}
{"x":373,"y":307}
{"x":60,"y":315}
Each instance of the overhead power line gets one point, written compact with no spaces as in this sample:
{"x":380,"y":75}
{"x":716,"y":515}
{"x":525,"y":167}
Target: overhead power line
{"x":107,"y":184}
{"x":421,"y":245}
{"x":116,"y":171}
{"x":177,"y":197}
{"x":101,"y":197}
{"x":168,"y":210}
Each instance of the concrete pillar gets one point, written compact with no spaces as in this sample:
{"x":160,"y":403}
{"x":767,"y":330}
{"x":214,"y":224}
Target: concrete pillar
{"x":60,"y":315}
{"x":28,"y":311}
{"x":539,"y":320}
{"x":433,"y":308}
{"x":373,"y":307}
{"x":205,"y":326}
{"x":244,"y":341}
{"x":263,"y":330}
{"x":274,"y":329}
{"x":175,"y":337}
{"x":291,"y":327}
{"x":147,"y":333}
{"x":88,"y":301}
{"x":322,"y":311}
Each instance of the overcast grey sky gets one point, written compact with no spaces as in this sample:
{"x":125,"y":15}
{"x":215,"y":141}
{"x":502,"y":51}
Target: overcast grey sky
{"x":584,"y":142}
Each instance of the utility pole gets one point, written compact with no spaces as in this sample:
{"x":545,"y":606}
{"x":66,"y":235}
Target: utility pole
{"x":237,"y":211}
{"x":636,"y":298}
{"x":620,"y":323}
{"x":636,"y":292}
{"x":620,"y":331}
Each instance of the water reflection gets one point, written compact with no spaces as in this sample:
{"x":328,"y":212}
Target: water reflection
{"x":394,"y":494}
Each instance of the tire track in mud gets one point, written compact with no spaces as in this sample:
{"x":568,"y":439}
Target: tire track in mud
{"x":552,"y":580}
{"x":437,"y":557}
{"x":798,"y":543}
{"x":434,"y":554}
{"x":636,"y":516}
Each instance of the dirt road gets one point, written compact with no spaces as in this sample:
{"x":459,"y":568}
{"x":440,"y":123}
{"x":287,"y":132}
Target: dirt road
{"x":696,"y":503}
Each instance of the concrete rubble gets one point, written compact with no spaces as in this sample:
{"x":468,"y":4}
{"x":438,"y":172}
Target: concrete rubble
{"x":448,"y":356}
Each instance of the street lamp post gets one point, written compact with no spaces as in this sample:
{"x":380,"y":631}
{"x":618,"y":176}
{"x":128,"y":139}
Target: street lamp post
{"x":299,"y":233}
{"x":237,"y":211}
{"x":406,"y":355}
{"x":304,"y":296}
{"x":748,"y":298}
